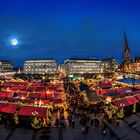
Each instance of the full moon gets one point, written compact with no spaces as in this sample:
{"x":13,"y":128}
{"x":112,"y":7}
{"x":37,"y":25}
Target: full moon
{"x":14,"y":42}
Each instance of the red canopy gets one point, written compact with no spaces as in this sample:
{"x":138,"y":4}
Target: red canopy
{"x":3,"y":94}
{"x":135,"y":99}
{"x":14,"y":88}
{"x":138,"y":96}
{"x":105,"y":91}
{"x":122,"y":89}
{"x":101,"y":92}
{"x":28,"y":101}
{"x":34,"y":95}
{"x":45,"y":101}
{"x":26,"y":111}
{"x":137,"y":87}
{"x":37,"y":95}
{"x":41,"y":88}
{"x":50,"y":95}
{"x":132,"y":100}
{"x":6,"y":94}
{"x":8,"y":108}
{"x":105,"y":84}
{"x":22,"y":95}
{"x":31,"y":111}
{"x":57,"y":101}
{"x":41,"y":111}
{"x":121,"y":103}
{"x":42,"y":95}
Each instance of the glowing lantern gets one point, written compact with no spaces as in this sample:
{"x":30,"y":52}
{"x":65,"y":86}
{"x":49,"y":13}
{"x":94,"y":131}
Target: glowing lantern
{"x":108,"y":100}
{"x":22,"y":97}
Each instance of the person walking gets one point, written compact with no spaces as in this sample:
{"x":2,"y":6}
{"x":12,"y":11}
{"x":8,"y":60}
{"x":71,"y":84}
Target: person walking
{"x":104,"y":131}
{"x":91,"y":122}
{"x":70,"y":120}
{"x":87,"y":129}
{"x":96,"y":122}
{"x":73,"y":123}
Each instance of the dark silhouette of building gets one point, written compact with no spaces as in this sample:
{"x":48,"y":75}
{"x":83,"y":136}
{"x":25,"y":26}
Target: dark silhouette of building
{"x":126,"y":53}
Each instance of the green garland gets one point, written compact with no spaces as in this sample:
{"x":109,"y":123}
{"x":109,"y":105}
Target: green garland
{"x":16,"y":119}
{"x":134,"y":108}
{"x":120,"y":113}
{"x":36,"y":123}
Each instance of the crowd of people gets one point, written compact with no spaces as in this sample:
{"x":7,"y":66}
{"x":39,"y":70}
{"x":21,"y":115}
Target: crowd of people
{"x":80,"y":110}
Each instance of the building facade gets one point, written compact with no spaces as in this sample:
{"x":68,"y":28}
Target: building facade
{"x":129,"y":65}
{"x":82,"y":66}
{"x":109,"y":65}
{"x":47,"y":66}
{"x":133,"y":66}
{"x":6,"y":66}
{"x":136,"y":65}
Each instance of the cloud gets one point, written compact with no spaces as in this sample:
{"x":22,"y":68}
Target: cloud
{"x":69,"y":29}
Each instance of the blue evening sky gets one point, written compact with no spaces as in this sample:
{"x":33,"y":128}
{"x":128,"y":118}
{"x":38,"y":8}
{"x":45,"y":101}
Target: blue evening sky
{"x":62,"y":29}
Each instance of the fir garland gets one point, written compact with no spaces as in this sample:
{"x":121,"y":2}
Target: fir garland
{"x":120,"y":113}
{"x":134,"y":108}
{"x":36,"y":123}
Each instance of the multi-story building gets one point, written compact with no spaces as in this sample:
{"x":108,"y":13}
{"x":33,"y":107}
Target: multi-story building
{"x":5,"y":66}
{"x":133,"y":66}
{"x":109,"y":65}
{"x":82,"y":66}
{"x":136,"y":65}
{"x":46,"y":66}
{"x":6,"y":69}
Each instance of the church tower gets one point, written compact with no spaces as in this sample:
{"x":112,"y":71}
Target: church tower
{"x":126,"y":54}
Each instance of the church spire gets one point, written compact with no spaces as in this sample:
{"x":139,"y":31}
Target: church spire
{"x":126,"y":55}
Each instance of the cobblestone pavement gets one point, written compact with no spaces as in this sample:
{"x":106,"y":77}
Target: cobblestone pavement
{"x":123,"y":131}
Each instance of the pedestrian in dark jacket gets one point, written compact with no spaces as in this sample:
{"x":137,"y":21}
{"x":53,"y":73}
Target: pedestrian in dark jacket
{"x":73,"y":123}
{"x":87,"y":129}
{"x":104,"y":131}
{"x":97,"y":122}
{"x":91,"y":122}
{"x":70,"y":121}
